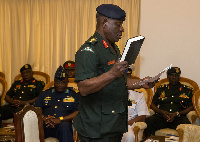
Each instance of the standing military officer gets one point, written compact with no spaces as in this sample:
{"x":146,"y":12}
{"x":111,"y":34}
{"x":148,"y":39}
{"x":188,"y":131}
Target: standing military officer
{"x":174,"y":101}
{"x":59,"y":107}
{"x":102,"y":80}
{"x":22,"y":92}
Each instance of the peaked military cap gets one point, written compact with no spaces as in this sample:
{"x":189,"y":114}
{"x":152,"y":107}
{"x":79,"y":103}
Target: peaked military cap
{"x":174,"y":70}
{"x":111,"y":11}
{"x":69,"y":65}
{"x":25,"y":67}
{"x":61,"y":73}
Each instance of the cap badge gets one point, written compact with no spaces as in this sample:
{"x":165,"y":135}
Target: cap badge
{"x":177,"y":70}
{"x":26,"y":66}
{"x":63,"y":74}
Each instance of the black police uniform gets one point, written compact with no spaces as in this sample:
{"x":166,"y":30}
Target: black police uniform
{"x":170,"y":99}
{"x":59,"y":105}
{"x":22,"y":92}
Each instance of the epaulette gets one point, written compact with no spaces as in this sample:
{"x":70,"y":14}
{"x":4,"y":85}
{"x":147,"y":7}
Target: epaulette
{"x":163,"y":86}
{"x":92,"y":40}
{"x":138,"y":90}
{"x":188,"y":87}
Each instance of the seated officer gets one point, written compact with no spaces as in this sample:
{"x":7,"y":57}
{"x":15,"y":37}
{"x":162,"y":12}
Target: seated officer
{"x":137,"y":111}
{"x":70,"y":68}
{"x":171,"y":104}
{"x":59,"y":107}
{"x":22,"y":92}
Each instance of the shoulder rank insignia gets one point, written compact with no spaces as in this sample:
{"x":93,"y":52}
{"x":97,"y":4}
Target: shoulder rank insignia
{"x":93,"y":39}
{"x":133,"y":102}
{"x":162,"y":96}
{"x":88,"y":49}
{"x":105,"y":44}
{"x":76,"y":90}
{"x":184,"y":96}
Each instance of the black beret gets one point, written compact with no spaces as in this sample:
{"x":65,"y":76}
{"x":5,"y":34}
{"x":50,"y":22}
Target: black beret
{"x":174,"y":70}
{"x":111,"y":11}
{"x":61,"y":73}
{"x":69,"y":65}
{"x":25,"y":67}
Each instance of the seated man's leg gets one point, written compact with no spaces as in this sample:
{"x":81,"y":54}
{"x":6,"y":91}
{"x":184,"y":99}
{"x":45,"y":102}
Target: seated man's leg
{"x":64,"y":132}
{"x":129,"y":136}
{"x":179,"y":120}
{"x":7,"y":112}
{"x":154,"y":123}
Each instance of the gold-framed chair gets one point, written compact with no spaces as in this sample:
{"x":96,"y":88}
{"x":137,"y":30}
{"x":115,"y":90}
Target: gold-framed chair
{"x":183,"y":80}
{"x":37,"y":75}
{"x":190,"y":132}
{"x":2,"y":74}
{"x":3,"y":90}
{"x":191,"y":115}
{"x":29,"y":125}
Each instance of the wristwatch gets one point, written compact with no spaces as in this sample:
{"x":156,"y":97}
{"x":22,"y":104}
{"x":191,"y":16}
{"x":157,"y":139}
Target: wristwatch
{"x":61,"y":118}
{"x":178,"y":114}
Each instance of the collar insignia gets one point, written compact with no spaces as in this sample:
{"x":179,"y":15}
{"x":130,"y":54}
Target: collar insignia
{"x":105,"y":44}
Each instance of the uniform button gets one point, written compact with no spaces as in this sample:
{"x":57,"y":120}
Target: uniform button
{"x":54,"y":114}
{"x":24,"y":86}
{"x":58,"y":100}
{"x":67,"y":106}
{"x":45,"y":104}
{"x":170,"y":110}
{"x":113,"y":111}
{"x":56,"y":107}
{"x":172,"y":96}
{"x":171,"y":102}
{"x":20,"y":97}
{"x":182,"y":101}
{"x":22,"y":91}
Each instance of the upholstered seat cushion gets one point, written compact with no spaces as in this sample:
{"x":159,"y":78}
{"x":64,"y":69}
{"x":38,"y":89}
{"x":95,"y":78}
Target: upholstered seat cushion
{"x":51,"y":139}
{"x":164,"y":132}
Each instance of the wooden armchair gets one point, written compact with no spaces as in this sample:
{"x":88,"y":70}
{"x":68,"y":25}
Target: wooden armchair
{"x":2,"y":74}
{"x":191,"y":115}
{"x":3,"y":90}
{"x":29,"y":125}
{"x":189,"y":132}
{"x":37,"y":75}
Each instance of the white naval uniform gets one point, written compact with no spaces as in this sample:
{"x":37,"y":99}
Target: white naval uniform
{"x":138,"y":108}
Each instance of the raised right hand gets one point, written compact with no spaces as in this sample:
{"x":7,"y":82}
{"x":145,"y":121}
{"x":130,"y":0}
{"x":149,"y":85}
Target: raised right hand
{"x":119,"y":68}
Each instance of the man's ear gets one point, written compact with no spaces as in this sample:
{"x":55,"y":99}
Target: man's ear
{"x":105,"y":21}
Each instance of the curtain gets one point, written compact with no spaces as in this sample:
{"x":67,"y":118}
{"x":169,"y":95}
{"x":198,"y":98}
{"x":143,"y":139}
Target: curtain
{"x":46,"y":33}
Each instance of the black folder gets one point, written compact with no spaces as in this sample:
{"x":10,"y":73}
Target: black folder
{"x":132,"y":49}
